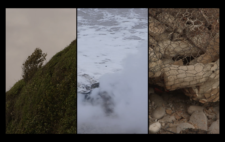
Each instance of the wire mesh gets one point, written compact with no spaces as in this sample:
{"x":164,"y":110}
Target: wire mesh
{"x":184,"y":51}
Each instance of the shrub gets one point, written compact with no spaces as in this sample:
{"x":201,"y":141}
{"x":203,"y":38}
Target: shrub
{"x":33,"y":63}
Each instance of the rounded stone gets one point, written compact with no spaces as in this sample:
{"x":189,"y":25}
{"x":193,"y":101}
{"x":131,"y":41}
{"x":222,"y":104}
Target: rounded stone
{"x":159,"y":112}
{"x":167,"y":119}
{"x":182,"y":126}
{"x":199,"y":119}
{"x":154,"y":128}
{"x":157,"y":99}
{"x":193,"y":108}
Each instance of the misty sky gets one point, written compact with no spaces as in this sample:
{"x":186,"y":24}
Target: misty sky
{"x":26,"y":29}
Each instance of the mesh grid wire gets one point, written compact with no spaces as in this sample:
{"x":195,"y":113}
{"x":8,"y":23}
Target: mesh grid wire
{"x":184,"y":51}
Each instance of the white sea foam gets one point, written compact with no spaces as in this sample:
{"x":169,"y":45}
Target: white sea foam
{"x":129,"y":89}
{"x":112,"y":48}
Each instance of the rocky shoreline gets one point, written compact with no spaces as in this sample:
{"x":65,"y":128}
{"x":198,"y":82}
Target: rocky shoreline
{"x":169,"y":112}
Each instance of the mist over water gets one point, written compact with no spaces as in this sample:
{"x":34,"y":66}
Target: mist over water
{"x":126,"y":110}
{"x":112,"y":50}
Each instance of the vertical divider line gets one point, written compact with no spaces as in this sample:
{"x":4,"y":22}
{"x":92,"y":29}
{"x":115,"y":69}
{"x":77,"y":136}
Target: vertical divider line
{"x":148,"y":68}
{"x":76,"y":70}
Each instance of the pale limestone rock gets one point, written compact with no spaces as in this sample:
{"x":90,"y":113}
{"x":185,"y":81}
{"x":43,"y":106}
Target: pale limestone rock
{"x":193,"y":108}
{"x":159,"y":112}
{"x":199,"y":119}
{"x":154,"y":128}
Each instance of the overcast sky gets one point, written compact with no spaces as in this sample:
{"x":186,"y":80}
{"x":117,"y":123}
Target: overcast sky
{"x":49,"y":29}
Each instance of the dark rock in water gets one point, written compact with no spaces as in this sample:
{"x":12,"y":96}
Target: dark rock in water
{"x":87,"y":96}
{"x":108,"y":104}
{"x":95,"y":85}
{"x":88,"y":84}
{"x":85,"y":89}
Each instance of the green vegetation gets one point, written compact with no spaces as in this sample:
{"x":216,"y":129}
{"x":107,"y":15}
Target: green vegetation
{"x":47,"y":102}
{"x":32,"y":64}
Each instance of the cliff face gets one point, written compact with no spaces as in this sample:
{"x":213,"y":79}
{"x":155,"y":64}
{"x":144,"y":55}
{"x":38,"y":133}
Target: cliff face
{"x":47,"y":103}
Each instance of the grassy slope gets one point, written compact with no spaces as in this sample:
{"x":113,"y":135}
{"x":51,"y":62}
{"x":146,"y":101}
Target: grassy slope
{"x":46,"y":104}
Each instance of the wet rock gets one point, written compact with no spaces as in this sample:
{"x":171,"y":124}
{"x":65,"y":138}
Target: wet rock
{"x":95,"y":85}
{"x":159,"y":112}
{"x":84,"y":89}
{"x":154,"y":128}
{"x":214,"y":128}
{"x":157,"y":99}
{"x":108,"y":102}
{"x":193,"y":108}
{"x":182,"y":126}
{"x":167,"y":119}
{"x":199,"y":119}
{"x":85,"y":85}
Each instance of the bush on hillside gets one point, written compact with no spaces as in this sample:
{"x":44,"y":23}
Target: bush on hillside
{"x":33,"y":63}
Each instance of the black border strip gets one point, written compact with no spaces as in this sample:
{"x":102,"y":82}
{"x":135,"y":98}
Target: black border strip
{"x":76,"y":69}
{"x":148,"y":69}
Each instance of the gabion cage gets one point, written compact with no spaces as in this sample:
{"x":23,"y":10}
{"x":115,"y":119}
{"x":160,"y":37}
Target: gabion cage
{"x":184,"y":51}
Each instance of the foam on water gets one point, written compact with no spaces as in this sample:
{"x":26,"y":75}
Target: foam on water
{"x":128,"y":91}
{"x":112,"y":49}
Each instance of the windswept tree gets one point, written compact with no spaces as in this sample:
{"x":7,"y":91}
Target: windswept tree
{"x":33,"y":63}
